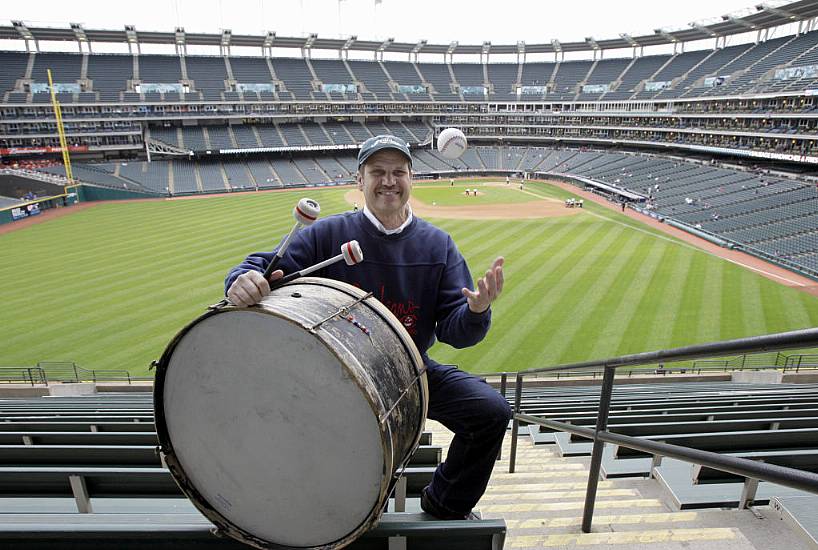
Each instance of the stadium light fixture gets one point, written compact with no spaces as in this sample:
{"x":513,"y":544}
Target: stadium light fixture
{"x":486,"y":47}
{"x":556,"y":44}
{"x":79,"y":32}
{"x":665,"y":34}
{"x":385,"y":44}
{"x":419,"y":46}
{"x":706,"y":30}
{"x":778,"y":11}
{"x":310,"y":41}
{"x":179,"y":38}
{"x":132,"y":39}
{"x":452,"y":47}
{"x":25,"y":34}
{"x":629,"y":39}
{"x":22,"y":30}
{"x":350,"y":41}
{"x":521,"y":46}
{"x":227,"y":35}
{"x":740,"y":22}
{"x":269,"y":39}
{"x":591,"y":42}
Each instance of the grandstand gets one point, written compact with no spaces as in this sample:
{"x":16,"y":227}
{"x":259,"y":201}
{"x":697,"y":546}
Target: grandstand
{"x":719,"y":141}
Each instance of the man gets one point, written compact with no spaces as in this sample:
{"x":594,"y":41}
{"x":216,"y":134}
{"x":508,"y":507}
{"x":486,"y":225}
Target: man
{"x":416,"y":270}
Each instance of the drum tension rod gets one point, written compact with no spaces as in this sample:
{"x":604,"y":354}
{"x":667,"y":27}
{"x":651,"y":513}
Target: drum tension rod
{"x":343,"y":311}
{"x":385,"y":416}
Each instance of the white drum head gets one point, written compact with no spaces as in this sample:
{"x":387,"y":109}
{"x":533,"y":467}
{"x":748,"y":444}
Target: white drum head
{"x":270,"y":429}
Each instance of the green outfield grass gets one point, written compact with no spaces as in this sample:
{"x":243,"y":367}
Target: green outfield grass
{"x":109,"y":286}
{"x":456,"y":195}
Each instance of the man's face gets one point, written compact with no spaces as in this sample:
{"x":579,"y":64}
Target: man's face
{"x":386,"y":181}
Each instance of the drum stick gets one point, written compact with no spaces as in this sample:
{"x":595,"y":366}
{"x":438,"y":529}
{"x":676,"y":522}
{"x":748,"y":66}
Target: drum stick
{"x":305,"y":213}
{"x":351,"y":253}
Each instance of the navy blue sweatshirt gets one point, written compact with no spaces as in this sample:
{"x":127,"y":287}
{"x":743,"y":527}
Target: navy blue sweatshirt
{"x":418,"y":274}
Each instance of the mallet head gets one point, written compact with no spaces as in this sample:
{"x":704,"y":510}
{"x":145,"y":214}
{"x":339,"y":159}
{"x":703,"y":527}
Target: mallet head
{"x":306,"y":211}
{"x":352,"y":253}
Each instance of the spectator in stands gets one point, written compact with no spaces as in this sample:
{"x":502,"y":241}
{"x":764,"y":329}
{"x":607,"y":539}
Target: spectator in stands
{"x":414,"y":268}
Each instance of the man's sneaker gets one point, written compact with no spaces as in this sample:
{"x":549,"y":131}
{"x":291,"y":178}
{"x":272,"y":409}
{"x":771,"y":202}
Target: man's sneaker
{"x":430,"y":507}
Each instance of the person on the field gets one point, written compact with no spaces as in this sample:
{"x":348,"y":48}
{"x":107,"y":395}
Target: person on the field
{"x":416,"y":270}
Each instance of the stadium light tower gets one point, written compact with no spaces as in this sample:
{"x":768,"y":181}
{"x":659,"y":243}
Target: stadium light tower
{"x":224,"y":43}
{"x":520,"y":51}
{"x":485,"y":51}
{"x":450,"y":51}
{"x":79,"y":34}
{"x":747,"y":25}
{"x":708,"y":31}
{"x":629,"y":39}
{"x":416,"y":50}
{"x":179,"y":41}
{"x":267,"y":45}
{"x":557,"y":48}
{"x":382,"y":48}
{"x":132,"y":39}
{"x":307,"y":47}
{"x":672,"y":39}
{"x":25,"y":34}
{"x":344,"y":51}
{"x":594,"y":46}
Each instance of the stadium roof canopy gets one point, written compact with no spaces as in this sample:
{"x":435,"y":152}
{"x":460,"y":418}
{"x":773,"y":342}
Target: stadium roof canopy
{"x":765,"y":16}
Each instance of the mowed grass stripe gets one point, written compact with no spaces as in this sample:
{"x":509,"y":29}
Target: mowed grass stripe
{"x":579,"y":302}
{"x":708,"y":325}
{"x":524,"y":273}
{"x":667,"y":316}
{"x":750,"y":295}
{"x":640,"y":326}
{"x":531,"y":311}
{"x":690,"y":303}
{"x":595,"y":322}
{"x":528,"y":261}
{"x":615,"y":334}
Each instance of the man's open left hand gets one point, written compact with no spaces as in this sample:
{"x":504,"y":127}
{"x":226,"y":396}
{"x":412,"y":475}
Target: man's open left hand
{"x":488,"y":288}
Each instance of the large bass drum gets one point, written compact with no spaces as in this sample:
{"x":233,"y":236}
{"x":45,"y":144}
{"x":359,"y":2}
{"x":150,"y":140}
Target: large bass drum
{"x":287,"y":423}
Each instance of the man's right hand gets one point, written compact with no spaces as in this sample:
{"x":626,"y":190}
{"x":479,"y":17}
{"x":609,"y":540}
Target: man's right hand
{"x":251,"y":287}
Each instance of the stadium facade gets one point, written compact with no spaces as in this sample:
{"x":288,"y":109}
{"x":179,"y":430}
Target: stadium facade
{"x":720,"y":141}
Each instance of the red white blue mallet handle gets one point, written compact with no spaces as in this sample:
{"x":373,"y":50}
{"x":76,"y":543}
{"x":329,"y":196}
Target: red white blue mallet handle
{"x":305,"y":213}
{"x":351,"y":253}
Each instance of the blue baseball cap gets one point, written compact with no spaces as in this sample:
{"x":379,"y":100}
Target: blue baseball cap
{"x":379,"y":143}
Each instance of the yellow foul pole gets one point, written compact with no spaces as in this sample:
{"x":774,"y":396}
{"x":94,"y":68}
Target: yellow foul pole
{"x":66,"y":158}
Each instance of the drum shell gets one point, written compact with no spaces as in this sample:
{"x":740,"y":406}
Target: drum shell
{"x":376,"y":353}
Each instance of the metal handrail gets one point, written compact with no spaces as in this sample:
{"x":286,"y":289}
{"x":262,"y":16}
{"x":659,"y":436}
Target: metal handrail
{"x":766,"y":472}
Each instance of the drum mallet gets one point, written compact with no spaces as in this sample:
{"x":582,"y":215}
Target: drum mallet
{"x":351,"y":253}
{"x":305,"y":213}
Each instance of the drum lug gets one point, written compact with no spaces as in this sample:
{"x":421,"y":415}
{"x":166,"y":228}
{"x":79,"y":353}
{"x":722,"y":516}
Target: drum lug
{"x":219,"y":305}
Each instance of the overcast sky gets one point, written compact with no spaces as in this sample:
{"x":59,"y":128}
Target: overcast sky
{"x":438,"y":21}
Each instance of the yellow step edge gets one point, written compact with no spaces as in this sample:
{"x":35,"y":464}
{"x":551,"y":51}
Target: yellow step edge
{"x":623,"y":537}
{"x":577,"y":505}
{"x":494,"y":497}
{"x":622,"y":519}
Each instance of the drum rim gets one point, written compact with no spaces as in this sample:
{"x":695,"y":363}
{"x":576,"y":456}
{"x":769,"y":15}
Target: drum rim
{"x":183,"y":480}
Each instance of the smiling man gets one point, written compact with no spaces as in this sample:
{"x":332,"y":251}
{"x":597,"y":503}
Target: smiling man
{"x":415,"y":269}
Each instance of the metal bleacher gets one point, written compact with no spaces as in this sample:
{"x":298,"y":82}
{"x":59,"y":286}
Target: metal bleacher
{"x":773,"y":423}
{"x":87,"y":469}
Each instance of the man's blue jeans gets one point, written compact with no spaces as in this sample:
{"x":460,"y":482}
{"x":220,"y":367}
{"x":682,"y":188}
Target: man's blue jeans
{"x":478,"y":415}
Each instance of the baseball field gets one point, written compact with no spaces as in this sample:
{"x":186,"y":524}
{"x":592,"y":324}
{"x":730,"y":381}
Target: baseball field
{"x":108,"y":286}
